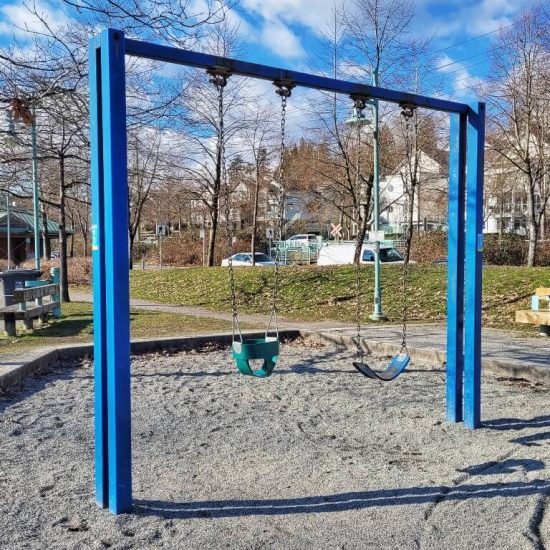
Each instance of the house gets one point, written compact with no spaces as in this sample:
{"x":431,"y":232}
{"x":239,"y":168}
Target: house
{"x":430,"y":205}
{"x":506,"y":204}
{"x":21,"y":234}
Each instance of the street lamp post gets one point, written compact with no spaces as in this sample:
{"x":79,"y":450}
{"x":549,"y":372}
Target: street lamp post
{"x":377,"y":314}
{"x":24,"y":110}
{"x":8,"y":228}
{"x":35,"y":190}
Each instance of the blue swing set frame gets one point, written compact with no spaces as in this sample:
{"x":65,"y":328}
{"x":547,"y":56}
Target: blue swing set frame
{"x":108,"y":50}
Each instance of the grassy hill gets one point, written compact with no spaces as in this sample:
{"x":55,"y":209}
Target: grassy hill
{"x":313,"y":293}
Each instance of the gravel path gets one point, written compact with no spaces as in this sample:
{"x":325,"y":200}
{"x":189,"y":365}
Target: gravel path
{"x":313,"y":457}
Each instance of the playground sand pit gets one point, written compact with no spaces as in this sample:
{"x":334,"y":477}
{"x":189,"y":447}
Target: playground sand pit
{"x":315,"y":456}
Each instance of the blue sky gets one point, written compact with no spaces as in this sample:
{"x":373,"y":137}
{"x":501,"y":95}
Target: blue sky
{"x":287,"y":32}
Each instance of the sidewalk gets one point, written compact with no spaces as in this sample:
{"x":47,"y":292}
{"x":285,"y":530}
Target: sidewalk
{"x":258,"y":319}
{"x":500,"y":345}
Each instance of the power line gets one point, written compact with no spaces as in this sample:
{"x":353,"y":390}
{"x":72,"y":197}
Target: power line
{"x":465,"y":58}
{"x":473,"y":38}
{"x":467,"y":67}
{"x":469,"y":76}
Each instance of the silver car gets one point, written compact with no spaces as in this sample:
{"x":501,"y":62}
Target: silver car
{"x":244,"y":259}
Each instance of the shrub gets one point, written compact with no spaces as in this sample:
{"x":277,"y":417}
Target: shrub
{"x":186,"y":249}
{"x":428,"y":247}
{"x":505,"y":250}
{"x":80,"y":269}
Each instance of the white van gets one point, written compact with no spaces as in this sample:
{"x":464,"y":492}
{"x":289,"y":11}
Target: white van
{"x":342,"y":254}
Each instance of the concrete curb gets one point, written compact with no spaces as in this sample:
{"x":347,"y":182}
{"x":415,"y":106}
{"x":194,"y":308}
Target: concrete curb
{"x":41,"y":360}
{"x":494,"y":366}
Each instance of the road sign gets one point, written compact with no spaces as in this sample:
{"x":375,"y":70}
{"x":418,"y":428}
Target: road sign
{"x":201,"y":232}
{"x":336,"y":230}
{"x":162,"y":230}
{"x":375,"y":236}
{"x":269,"y":233}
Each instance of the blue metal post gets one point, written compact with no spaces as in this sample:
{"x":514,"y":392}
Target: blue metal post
{"x":98,"y":266}
{"x":455,"y":268}
{"x":115,"y":241}
{"x":110,"y":253}
{"x":474,"y":257}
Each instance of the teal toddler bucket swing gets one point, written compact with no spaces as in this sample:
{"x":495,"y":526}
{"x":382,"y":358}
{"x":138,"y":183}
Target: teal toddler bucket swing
{"x":246,"y":350}
{"x":264,"y":350}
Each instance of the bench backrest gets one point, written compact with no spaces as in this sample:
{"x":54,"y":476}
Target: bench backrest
{"x":22,"y":295}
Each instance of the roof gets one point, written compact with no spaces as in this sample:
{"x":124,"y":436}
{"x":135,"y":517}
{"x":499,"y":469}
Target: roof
{"x":22,"y":222}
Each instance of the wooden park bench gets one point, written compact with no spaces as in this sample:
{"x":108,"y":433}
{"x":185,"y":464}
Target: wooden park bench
{"x":21,"y":310}
{"x":537,"y":315}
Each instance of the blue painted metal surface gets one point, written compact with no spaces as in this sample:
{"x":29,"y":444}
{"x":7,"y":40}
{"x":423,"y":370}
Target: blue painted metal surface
{"x":110,"y":243}
{"x":115,"y":241}
{"x":474,"y":257}
{"x":455,"y":268}
{"x":110,"y":255}
{"x":264,"y":72}
{"x":98,"y":273}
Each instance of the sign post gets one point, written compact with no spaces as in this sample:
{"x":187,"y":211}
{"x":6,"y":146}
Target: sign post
{"x":202,"y":236}
{"x":162,"y":231}
{"x":269,"y":237}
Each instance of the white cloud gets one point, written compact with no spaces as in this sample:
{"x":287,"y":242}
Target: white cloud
{"x":461,"y":80}
{"x":281,"y":40}
{"x":314,"y":15}
{"x":465,"y":19}
{"x":16,"y":18}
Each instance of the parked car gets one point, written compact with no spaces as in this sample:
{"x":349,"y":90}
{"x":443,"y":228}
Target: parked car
{"x":343,"y":254}
{"x":305,"y":238}
{"x":245,"y":259}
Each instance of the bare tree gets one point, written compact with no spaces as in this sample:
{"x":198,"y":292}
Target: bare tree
{"x":518,"y":98}
{"x":209,"y":133}
{"x":259,"y":139}
{"x":178,"y":22}
{"x":143,"y":173}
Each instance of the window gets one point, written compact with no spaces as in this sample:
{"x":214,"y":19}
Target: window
{"x":390,"y":255}
{"x":262,"y":257}
{"x":368,"y":255}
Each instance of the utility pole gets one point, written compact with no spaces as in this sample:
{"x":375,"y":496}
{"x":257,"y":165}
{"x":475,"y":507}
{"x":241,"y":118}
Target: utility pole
{"x":377,"y":314}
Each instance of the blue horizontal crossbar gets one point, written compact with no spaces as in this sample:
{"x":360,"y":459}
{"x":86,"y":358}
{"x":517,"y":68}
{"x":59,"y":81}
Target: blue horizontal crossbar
{"x":264,"y":72}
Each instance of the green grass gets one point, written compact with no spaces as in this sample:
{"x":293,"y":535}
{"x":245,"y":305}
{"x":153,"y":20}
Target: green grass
{"x":312,"y":293}
{"x":76,"y":325}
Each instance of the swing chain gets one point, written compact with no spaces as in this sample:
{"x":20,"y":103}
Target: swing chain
{"x":284,"y":90}
{"x":407,"y":111}
{"x":218,"y":77}
{"x":359,"y":104}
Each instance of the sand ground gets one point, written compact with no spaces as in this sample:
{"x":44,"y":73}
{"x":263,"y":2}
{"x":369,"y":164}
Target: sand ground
{"x":314,"y":457}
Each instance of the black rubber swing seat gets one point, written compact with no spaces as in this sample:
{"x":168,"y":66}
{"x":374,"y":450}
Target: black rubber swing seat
{"x":396,"y":366}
